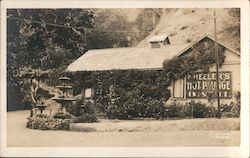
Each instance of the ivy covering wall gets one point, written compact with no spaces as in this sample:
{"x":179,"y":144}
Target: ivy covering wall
{"x":125,"y":94}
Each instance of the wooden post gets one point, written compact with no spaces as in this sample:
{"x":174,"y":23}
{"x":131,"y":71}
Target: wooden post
{"x":217,"y":66}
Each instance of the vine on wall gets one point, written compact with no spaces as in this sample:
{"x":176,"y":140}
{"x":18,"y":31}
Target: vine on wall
{"x":200,"y":56}
{"x":125,"y":94}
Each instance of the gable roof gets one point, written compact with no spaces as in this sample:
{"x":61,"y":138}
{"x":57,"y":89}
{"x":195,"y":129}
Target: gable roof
{"x":211,"y":38}
{"x":131,"y":57}
{"x":158,"y":38}
{"x":125,"y":58}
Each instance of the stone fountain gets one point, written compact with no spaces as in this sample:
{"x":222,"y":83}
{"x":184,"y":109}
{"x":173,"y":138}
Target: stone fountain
{"x":64,"y":99}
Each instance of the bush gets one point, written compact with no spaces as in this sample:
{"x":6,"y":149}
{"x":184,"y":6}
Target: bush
{"x":62,"y":115}
{"x":41,"y":115}
{"x":48,"y":123}
{"x":199,"y":110}
{"x":173,"y":110}
{"x":184,"y":27}
{"x":188,"y":40}
{"x":125,"y":94}
{"x":136,"y":108}
{"x":81,"y":106}
{"x":85,"y":118}
{"x":231,"y":110}
{"x":191,"y":109}
{"x":64,"y":124}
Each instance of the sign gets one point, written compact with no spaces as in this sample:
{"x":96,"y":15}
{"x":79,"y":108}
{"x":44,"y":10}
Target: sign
{"x":199,"y":85}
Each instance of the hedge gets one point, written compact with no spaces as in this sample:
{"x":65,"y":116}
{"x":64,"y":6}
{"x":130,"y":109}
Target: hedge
{"x":128,"y":94}
{"x":125,"y":94}
{"x":47,"y":123}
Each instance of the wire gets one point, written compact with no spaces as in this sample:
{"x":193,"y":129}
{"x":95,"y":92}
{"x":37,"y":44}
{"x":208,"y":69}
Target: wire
{"x":107,"y":32}
{"x":47,"y":23}
{"x":66,"y":26}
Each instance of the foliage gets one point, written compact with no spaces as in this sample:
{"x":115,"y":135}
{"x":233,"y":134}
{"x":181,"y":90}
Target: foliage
{"x":194,"y":109}
{"x":188,"y":110}
{"x":85,"y":118}
{"x":232,"y":27}
{"x":133,"y":109}
{"x":30,"y":89}
{"x":62,"y":115}
{"x":231,"y":110}
{"x":200,"y":57}
{"x":199,"y":110}
{"x":84,"y":110}
{"x":37,"y":37}
{"x":41,"y":115}
{"x":126,"y":93}
{"x":125,"y":32}
{"x":47,"y":123}
{"x":81,"y":106}
{"x":174,"y":110}
{"x":35,"y":44}
{"x":147,"y":20}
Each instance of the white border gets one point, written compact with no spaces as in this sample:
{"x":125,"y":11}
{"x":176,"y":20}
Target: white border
{"x":241,"y":151}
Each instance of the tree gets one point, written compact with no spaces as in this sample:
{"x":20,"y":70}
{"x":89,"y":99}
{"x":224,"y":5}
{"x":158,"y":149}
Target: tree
{"x":43,"y":38}
{"x":53,"y":38}
{"x":111,"y":30}
{"x":147,"y":20}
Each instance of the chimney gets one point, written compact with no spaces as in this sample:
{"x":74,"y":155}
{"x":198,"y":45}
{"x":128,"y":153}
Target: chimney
{"x":159,"y":41}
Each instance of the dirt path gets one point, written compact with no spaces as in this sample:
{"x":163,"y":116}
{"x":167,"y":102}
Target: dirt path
{"x":19,"y":136}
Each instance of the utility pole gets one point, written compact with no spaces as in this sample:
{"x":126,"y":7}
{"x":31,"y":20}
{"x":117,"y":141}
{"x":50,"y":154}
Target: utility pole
{"x":217,"y":66}
{"x":153,"y":20}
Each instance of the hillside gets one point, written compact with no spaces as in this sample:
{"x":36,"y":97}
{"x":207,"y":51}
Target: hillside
{"x":187,"y":25}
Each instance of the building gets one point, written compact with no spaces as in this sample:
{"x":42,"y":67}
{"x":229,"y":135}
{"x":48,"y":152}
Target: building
{"x":191,"y":87}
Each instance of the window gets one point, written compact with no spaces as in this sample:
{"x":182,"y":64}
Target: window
{"x":155,"y":45}
{"x":178,"y":89}
{"x":88,"y":92}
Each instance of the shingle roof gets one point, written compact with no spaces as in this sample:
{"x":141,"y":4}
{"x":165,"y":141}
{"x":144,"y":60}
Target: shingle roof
{"x":125,"y":58}
{"x":158,"y":38}
{"x":131,"y":58}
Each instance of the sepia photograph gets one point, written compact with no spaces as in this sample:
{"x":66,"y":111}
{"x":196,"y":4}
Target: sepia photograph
{"x":123,"y":77}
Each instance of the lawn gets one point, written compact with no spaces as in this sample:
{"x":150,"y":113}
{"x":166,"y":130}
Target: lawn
{"x":186,"y":132}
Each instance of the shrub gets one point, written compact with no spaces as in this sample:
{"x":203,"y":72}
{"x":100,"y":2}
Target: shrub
{"x":125,"y":94}
{"x":62,"y":115}
{"x":172,"y":110}
{"x":48,"y":123}
{"x":41,"y":115}
{"x":136,"y":108}
{"x":81,"y":106}
{"x":190,"y":109}
{"x":188,"y":40}
{"x":75,"y":108}
{"x":129,"y":94}
{"x":85,"y":118}
{"x":231,"y":110}
{"x":175,"y":109}
{"x":199,"y":110}
{"x":184,"y":27}
{"x":64,"y":124}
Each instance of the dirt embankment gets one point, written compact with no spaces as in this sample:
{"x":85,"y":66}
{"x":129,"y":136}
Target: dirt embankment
{"x":188,"y":25}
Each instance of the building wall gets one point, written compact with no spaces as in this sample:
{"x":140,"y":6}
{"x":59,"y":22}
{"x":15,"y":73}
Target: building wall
{"x":231,"y":64}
